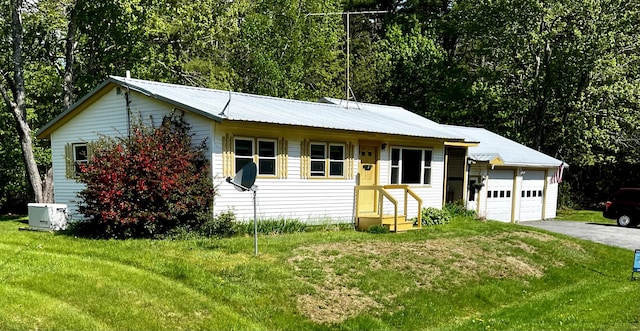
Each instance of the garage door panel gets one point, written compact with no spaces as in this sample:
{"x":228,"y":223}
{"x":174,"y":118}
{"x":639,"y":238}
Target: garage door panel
{"x":499,"y":195}
{"x":531,"y":195}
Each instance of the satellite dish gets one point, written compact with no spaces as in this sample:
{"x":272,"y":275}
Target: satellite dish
{"x":245,"y":177}
{"x":243,"y":181}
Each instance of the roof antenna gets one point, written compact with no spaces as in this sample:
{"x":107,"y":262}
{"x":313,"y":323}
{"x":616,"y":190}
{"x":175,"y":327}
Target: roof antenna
{"x":226,"y":106}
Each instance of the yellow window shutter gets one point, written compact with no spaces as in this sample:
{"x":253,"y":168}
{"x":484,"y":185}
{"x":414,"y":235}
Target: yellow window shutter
{"x":227,"y":155}
{"x":70,"y":168}
{"x":283,"y":158}
{"x":304,"y":159}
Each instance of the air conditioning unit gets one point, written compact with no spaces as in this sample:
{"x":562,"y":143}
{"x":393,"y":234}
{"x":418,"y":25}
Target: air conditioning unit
{"x":48,"y":216}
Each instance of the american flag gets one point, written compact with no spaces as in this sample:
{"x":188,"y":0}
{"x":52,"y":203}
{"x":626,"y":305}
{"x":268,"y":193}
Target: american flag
{"x":557,"y":176}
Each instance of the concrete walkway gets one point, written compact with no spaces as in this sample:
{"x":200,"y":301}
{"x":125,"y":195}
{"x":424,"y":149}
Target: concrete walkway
{"x":608,"y":234}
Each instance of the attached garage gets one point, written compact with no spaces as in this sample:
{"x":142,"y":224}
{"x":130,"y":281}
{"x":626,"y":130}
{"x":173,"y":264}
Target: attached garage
{"x":508,"y":181}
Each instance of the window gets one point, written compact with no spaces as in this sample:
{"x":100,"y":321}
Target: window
{"x":326,"y":156}
{"x":336,"y":160}
{"x":410,"y":166}
{"x":80,"y":156}
{"x":266,"y":157}
{"x":318,"y":160}
{"x":244,"y":152}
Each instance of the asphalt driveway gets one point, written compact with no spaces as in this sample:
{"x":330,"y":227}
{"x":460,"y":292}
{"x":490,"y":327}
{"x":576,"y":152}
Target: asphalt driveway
{"x":608,"y":234}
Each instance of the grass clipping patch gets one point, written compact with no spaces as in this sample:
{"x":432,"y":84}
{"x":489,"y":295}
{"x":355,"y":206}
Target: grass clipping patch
{"x":349,"y":278}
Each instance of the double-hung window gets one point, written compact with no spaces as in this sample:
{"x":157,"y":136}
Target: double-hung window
{"x":80,"y":157}
{"x":411,"y":166}
{"x":260,"y":151}
{"x":266,"y":157}
{"x":326,"y":160}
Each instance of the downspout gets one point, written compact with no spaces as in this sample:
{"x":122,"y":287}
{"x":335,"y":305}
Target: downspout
{"x":127,"y":99}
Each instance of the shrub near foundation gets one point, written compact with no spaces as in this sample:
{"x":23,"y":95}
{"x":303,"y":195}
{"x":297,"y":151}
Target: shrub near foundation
{"x":147,"y":184}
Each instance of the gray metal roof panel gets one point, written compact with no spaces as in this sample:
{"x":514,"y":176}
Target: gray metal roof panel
{"x":511,"y":152}
{"x":263,"y":109}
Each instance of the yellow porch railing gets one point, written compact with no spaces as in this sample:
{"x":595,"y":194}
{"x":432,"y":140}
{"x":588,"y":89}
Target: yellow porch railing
{"x":378,"y":216}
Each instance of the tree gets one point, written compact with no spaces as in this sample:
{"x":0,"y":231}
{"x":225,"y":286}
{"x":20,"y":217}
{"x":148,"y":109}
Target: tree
{"x":14,"y":94}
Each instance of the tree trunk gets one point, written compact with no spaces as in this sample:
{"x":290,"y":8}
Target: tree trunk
{"x":70,"y":49}
{"x":19,"y":106}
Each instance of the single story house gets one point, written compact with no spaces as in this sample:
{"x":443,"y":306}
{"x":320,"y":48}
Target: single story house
{"x":328,"y":161}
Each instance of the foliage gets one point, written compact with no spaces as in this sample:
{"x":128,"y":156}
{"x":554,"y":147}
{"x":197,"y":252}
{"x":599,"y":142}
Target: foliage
{"x":222,"y":225}
{"x":210,"y":284}
{"x":147,"y":184}
{"x":378,"y":229}
{"x":274,"y":226}
{"x":458,"y":208}
{"x":591,"y":216}
{"x":558,"y":76}
{"x":434,"y":216}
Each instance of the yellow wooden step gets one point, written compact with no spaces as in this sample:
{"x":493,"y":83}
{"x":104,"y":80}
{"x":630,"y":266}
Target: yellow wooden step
{"x":368,"y":220}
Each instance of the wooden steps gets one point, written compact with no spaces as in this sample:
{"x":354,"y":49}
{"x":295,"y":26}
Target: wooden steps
{"x":366,"y":221}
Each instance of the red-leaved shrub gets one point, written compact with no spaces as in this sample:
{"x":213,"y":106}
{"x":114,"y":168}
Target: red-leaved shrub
{"x":146,"y":184}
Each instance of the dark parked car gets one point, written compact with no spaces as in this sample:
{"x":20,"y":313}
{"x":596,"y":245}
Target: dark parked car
{"x":624,"y":207}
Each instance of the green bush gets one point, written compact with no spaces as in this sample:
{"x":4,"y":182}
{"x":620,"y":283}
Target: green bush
{"x":274,"y":226}
{"x":434,"y":216}
{"x":378,"y":229}
{"x":146,"y":184}
{"x":458,"y":208}
{"x":223,"y":225}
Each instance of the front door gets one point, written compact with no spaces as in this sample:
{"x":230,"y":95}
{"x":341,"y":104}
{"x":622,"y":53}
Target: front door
{"x":368,"y":176}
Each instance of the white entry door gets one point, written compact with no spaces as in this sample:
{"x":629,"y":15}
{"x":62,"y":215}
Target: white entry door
{"x":531,"y":196}
{"x":499,"y":195}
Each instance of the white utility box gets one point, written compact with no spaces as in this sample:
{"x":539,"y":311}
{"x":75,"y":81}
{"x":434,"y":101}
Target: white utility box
{"x":48,"y":216}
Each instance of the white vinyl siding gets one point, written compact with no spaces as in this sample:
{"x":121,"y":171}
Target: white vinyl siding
{"x":312,"y":201}
{"x":107,"y":116}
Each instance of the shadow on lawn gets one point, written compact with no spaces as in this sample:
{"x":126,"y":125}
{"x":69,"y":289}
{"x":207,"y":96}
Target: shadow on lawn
{"x":18,"y":218}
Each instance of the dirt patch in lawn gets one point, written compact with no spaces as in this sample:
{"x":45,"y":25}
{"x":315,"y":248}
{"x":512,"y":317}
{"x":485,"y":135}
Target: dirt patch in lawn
{"x":348,"y":278}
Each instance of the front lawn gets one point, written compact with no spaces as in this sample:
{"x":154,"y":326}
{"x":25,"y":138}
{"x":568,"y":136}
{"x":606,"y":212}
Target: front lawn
{"x":591,"y":216}
{"x":466,"y":275}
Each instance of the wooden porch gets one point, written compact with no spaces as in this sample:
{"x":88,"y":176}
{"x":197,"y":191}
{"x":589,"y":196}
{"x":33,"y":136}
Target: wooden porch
{"x":371,"y":202}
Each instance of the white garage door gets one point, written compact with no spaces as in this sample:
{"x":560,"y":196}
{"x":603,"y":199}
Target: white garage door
{"x":531,"y":196}
{"x":499,"y":195}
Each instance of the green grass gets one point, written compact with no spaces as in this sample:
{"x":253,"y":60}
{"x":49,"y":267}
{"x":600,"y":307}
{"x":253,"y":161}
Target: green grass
{"x":591,"y":216}
{"x":465,"y":275}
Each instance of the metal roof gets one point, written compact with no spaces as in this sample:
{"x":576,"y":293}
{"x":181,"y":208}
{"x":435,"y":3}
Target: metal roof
{"x":494,"y":145}
{"x":224,"y":105}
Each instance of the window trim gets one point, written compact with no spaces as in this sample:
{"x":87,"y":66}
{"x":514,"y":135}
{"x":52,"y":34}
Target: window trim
{"x":235,"y":152}
{"x":331,"y":161}
{"x":274,"y":157}
{"x":75,"y":161}
{"x":327,"y":161}
{"x":255,"y":154}
{"x":424,"y":165}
